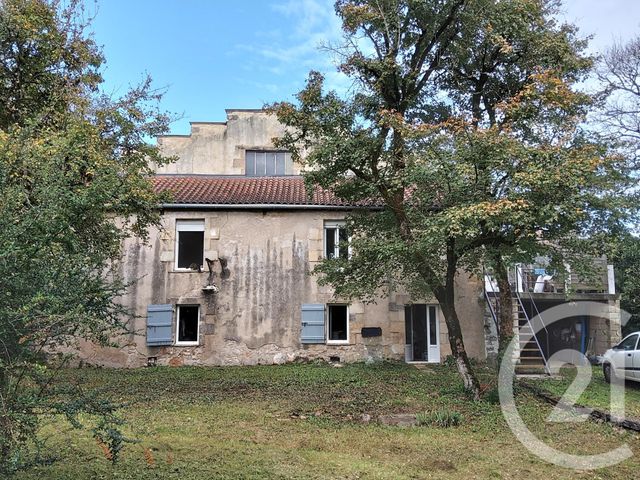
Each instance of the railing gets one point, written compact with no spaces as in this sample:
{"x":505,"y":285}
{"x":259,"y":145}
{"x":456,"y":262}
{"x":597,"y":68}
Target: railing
{"x":488,"y":299}
{"x":491,"y":309}
{"x":519,"y":279}
{"x":537,"y":280}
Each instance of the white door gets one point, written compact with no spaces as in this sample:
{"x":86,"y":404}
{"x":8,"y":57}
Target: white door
{"x":433,"y":337}
{"x":422,"y":333}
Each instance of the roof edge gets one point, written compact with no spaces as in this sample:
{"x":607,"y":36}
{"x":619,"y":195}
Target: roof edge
{"x":219,"y":175}
{"x":248,"y":110}
{"x":262,"y":206}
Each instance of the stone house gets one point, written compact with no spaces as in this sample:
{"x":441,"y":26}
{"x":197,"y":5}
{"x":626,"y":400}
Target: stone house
{"x":226,"y":280}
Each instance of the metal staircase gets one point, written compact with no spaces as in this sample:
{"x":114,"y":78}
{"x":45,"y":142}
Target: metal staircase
{"x":531,"y":353}
{"x":531,"y":332}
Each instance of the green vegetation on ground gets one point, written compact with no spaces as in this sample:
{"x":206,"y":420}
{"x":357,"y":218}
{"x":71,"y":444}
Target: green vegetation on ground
{"x":306,"y":421}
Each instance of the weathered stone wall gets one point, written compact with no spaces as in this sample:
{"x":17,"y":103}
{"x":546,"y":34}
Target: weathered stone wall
{"x":606,"y":332}
{"x":219,"y":147}
{"x":255,"y":317}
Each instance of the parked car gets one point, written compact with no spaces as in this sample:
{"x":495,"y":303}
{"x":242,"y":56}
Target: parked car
{"x":623,"y":360}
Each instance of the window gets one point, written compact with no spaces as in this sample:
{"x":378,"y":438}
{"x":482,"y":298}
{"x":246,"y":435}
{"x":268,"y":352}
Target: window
{"x":338,"y":325}
{"x":433,"y":325}
{"x":189,"y":244}
{"x":262,"y":163}
{"x":628,"y":343}
{"x":336,"y":240}
{"x":188,"y":325}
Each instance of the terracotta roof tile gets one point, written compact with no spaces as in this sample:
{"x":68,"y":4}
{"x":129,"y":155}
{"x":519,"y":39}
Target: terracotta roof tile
{"x":232,"y":190}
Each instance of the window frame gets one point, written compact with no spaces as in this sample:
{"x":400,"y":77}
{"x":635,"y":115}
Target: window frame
{"x":338,"y":226}
{"x":636,"y":343}
{"x":188,"y":225}
{"x":191,"y":343}
{"x":287,"y":166}
{"x":328,"y":324}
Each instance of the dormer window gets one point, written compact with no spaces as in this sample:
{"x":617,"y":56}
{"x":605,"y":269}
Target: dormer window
{"x":267,"y":163}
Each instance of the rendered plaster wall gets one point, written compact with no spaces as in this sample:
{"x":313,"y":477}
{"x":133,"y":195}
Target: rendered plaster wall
{"x":255,"y":317}
{"x":219,"y":147}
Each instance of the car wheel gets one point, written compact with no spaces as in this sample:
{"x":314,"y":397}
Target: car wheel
{"x":608,"y":372}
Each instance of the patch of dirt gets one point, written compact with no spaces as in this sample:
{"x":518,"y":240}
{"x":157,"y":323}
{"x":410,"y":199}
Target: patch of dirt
{"x":398,"y":420}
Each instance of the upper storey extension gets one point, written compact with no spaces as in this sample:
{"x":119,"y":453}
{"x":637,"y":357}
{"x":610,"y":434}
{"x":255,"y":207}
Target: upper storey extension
{"x":243,"y":145}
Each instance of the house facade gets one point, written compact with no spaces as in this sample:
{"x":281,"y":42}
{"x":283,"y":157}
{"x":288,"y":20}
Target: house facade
{"x":227,"y":278}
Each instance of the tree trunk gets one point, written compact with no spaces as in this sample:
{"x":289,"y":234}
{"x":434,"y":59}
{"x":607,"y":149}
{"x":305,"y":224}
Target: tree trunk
{"x":446,"y":298}
{"x":445,"y":294}
{"x":505,"y":305}
{"x":458,"y":350}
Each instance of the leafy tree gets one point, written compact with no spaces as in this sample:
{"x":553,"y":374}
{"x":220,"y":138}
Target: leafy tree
{"x":72,"y":160}
{"x":626,"y":261}
{"x":464,"y":126}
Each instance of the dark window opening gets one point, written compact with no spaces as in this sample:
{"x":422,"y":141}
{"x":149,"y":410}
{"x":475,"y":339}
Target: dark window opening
{"x":259,"y":163}
{"x":343,"y":238}
{"x":338,"y":323}
{"x":188,"y":323}
{"x":419,"y":323}
{"x":190,"y":249}
{"x":408,"y":338}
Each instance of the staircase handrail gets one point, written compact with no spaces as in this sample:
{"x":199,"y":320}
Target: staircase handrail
{"x":528,"y":319}
{"x":488,"y":300}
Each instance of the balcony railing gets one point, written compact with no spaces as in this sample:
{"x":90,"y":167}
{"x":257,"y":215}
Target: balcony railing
{"x":539,"y":279}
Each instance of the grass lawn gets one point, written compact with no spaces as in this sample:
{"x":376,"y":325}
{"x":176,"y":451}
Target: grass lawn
{"x":597,"y":394}
{"x":305,"y":421}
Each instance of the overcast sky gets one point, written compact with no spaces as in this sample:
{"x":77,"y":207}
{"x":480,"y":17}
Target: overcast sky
{"x":217,"y":54}
{"x":606,"y":20}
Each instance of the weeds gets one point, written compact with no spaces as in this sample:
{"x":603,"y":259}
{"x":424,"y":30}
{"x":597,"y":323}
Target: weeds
{"x":440,"y":418}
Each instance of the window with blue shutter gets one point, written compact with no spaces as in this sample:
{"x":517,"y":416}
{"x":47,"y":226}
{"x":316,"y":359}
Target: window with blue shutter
{"x":312,"y":323}
{"x":159,"y":323}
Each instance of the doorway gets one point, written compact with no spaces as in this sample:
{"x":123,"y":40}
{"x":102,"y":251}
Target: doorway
{"x":422,"y":333}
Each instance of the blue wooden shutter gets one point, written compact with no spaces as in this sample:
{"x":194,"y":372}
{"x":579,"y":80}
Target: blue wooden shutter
{"x":159,"y":323}
{"x":312,"y":323}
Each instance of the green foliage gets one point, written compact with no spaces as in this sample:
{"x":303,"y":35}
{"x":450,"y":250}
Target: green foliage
{"x":440,"y":418}
{"x":248,"y":422}
{"x":626,"y":261}
{"x":72,"y":161}
{"x":465,"y":126}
